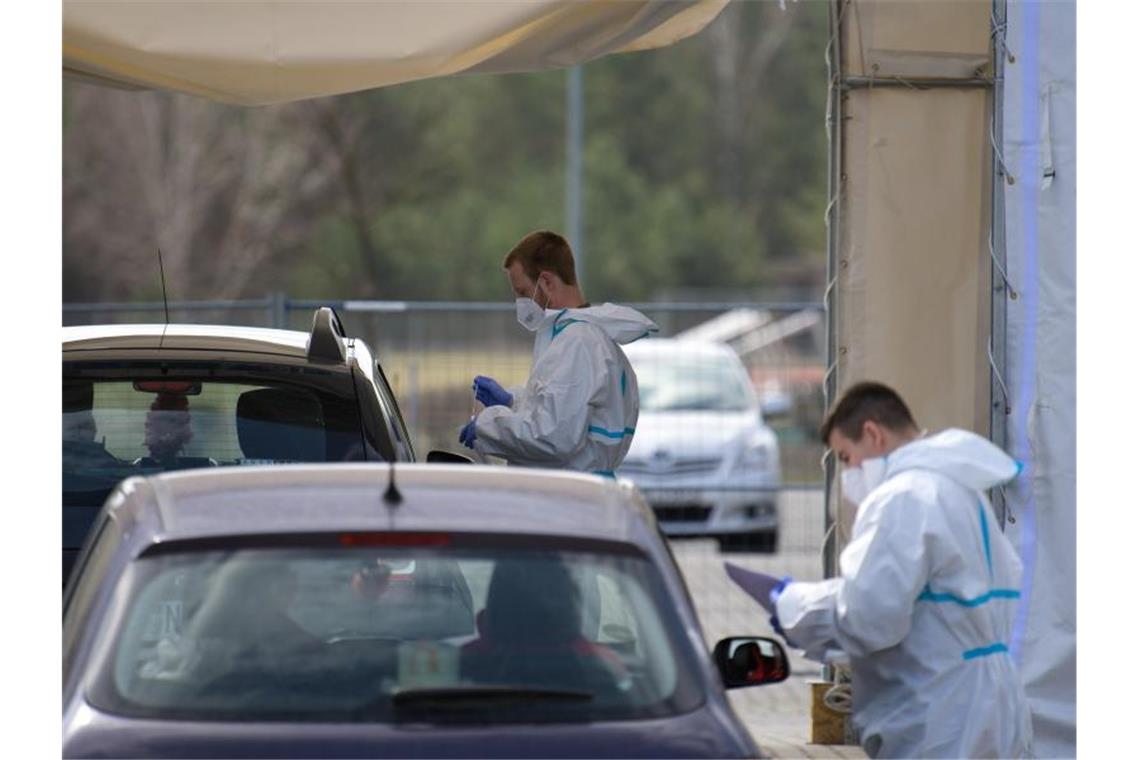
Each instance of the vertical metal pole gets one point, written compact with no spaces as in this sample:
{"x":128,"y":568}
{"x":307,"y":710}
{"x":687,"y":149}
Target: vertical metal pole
{"x":279,"y":309}
{"x":835,"y":178}
{"x":999,"y":403}
{"x":574,"y":170}
{"x":834,"y":191}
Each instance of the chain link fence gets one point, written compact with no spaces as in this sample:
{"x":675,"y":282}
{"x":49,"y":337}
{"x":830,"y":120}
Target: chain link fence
{"x":430,"y":351}
{"x":697,"y":469}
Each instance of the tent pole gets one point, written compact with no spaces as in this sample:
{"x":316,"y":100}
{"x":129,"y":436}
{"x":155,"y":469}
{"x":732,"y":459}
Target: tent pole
{"x":1000,"y":289}
{"x":834,"y":125}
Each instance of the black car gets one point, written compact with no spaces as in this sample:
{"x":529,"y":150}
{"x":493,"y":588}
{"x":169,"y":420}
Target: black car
{"x":144,"y":399}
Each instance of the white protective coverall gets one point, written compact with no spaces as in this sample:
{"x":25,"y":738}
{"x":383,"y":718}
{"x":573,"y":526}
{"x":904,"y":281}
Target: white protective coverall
{"x":923,"y":607}
{"x":578,"y":409}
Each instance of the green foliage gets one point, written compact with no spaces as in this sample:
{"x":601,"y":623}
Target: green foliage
{"x":642,"y":237}
{"x":704,"y":165}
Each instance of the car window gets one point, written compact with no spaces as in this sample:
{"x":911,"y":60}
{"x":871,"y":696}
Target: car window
{"x":396,"y":634}
{"x":114,"y":428}
{"x":671,"y":384}
{"x":80,"y":596}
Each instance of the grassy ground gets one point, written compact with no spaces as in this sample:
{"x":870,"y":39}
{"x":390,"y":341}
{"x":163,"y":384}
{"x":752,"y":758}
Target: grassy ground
{"x":443,"y":371}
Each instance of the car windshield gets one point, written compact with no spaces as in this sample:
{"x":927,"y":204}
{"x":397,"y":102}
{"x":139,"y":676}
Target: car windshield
{"x":140,"y":422}
{"x":431,"y":633}
{"x":676,"y":385}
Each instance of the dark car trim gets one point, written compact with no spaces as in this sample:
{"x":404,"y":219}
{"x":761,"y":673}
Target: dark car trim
{"x":454,"y":540}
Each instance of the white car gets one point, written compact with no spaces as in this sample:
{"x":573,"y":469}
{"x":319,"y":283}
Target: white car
{"x":701,"y":453}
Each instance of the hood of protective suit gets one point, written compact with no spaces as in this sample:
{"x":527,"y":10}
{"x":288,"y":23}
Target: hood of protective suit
{"x":621,"y":323}
{"x":961,"y":455}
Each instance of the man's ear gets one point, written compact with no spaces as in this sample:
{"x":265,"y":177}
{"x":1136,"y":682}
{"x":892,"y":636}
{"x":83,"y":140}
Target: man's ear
{"x":874,"y":435}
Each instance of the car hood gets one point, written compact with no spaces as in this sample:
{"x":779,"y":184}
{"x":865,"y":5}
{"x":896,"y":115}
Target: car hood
{"x":706,"y":732}
{"x":691,"y":435}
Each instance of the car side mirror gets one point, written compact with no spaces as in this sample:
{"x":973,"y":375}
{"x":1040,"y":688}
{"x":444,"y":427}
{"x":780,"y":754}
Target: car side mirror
{"x":750,"y":661}
{"x":438,"y":456}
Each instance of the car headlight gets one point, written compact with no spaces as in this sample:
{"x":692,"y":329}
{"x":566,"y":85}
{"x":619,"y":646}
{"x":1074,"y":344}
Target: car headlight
{"x":755,"y":457}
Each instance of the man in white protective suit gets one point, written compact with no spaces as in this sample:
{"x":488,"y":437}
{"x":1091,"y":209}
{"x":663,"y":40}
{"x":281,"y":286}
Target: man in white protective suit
{"x":927,"y":588}
{"x":578,"y":409}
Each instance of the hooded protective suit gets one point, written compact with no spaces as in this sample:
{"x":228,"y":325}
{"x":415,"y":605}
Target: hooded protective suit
{"x":923,"y":606}
{"x":578,"y":409}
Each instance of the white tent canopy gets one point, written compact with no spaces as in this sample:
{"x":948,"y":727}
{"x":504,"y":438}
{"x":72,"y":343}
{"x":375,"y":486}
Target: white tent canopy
{"x":257,"y":53}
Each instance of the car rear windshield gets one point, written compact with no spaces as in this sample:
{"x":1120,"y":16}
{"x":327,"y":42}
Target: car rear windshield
{"x":141,"y":421}
{"x":678,"y":385}
{"x":432,"y":633}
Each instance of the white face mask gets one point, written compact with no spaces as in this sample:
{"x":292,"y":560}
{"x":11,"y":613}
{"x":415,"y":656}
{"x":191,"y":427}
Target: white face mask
{"x":528,"y":312}
{"x":858,"y":482}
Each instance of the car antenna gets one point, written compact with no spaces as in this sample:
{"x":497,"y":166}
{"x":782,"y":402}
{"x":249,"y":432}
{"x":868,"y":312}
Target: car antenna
{"x":392,"y":497}
{"x":165,"y":302}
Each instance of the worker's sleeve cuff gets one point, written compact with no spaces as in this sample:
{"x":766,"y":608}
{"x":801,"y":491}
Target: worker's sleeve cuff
{"x":789,"y":604}
{"x":486,"y":431}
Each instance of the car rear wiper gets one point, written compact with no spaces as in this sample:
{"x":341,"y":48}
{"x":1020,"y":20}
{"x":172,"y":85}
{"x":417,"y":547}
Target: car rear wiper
{"x":476,"y":695}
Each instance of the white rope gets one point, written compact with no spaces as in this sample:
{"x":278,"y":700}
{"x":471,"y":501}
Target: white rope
{"x":823,"y":546}
{"x":998,"y":33}
{"x":1001,"y":158}
{"x":839,"y":696}
{"x":996,"y":374}
{"x":1001,"y":270}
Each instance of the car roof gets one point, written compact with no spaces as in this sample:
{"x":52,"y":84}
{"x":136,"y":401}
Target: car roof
{"x":675,"y":347}
{"x":186,"y":336}
{"x":248,"y":501}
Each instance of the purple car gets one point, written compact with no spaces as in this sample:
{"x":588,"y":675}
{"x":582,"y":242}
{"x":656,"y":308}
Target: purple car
{"x":407,"y":611}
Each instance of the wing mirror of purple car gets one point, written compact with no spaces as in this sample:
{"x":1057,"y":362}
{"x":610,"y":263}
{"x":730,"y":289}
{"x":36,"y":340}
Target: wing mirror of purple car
{"x":750,"y":661}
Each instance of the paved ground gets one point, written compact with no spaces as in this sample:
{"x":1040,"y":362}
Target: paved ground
{"x":778,"y":715}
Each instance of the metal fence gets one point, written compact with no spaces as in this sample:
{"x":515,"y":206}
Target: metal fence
{"x":430,"y":351}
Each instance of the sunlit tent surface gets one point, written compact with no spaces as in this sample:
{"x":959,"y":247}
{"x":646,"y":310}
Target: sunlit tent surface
{"x":256,"y":53}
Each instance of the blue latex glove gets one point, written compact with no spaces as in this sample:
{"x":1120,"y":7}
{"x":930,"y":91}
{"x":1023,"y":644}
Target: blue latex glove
{"x":773,"y":595}
{"x":490,"y":393}
{"x":467,"y":434}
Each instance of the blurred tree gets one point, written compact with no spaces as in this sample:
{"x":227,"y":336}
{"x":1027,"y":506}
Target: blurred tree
{"x":705,"y":167}
{"x":216,"y":189}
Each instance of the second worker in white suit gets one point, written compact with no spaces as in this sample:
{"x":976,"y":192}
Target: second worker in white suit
{"x":928,"y":585}
{"x":579,"y":407}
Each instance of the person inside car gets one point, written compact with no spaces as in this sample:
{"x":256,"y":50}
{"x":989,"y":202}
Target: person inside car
{"x":530,"y":632}
{"x":80,"y":447}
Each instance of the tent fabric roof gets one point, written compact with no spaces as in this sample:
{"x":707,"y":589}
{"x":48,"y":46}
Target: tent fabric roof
{"x":258,"y":53}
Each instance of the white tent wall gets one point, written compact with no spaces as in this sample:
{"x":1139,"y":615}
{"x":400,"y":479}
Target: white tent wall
{"x":1039,"y":150}
{"x":913,"y":299}
{"x":909,"y":300}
